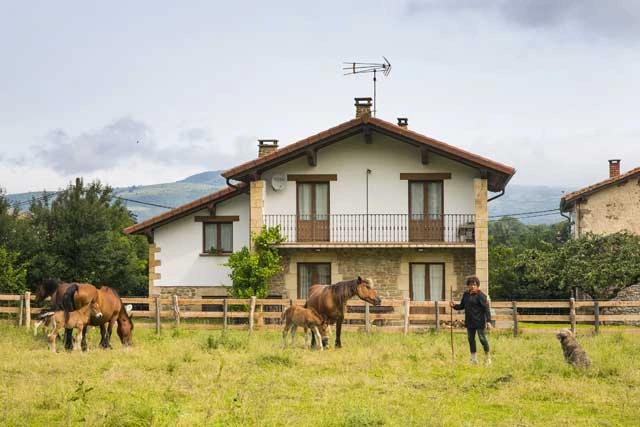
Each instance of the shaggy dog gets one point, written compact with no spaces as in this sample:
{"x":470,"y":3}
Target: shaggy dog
{"x":574,"y":354}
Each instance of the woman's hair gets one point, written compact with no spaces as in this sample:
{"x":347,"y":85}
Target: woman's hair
{"x":473,"y":280}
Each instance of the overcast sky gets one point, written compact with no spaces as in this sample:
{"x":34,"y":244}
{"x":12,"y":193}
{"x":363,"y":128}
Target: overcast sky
{"x":147,"y":92}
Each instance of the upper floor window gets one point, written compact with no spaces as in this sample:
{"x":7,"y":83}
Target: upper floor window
{"x":217,"y":237}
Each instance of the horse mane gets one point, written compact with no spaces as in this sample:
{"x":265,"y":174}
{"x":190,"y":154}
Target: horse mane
{"x":123,"y":310}
{"x":344,"y":290}
{"x":50,"y":285}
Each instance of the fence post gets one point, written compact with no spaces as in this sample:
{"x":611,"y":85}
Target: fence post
{"x":596,"y":315}
{"x":438,"y":316}
{"x":251,"y":312}
{"x":176,"y":309}
{"x":367,"y":324}
{"x":20,"y":311}
{"x":514,"y":313}
{"x":157,"y":304}
{"x":225,"y":311}
{"x":27,"y":309}
{"x":572,"y":314}
{"x":406,"y":315}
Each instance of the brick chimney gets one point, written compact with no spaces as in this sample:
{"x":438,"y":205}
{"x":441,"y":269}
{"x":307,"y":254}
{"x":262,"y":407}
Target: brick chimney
{"x":363,"y":107}
{"x":267,"y":146}
{"x":614,"y":168}
{"x":403,"y":122}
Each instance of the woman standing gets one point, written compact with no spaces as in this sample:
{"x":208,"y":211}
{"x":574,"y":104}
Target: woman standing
{"x":477,"y":317}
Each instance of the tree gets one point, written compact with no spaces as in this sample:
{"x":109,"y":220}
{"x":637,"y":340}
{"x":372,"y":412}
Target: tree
{"x":251,"y":272}
{"x":78,"y":237}
{"x":599,"y":265}
{"x":12,"y":273}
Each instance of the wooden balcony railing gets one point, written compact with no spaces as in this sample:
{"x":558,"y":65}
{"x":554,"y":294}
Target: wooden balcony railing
{"x":375,"y":228}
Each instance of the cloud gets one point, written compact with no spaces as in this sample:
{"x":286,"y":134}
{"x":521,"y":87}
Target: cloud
{"x":101,"y":149}
{"x":126,"y":139}
{"x":612,"y":19}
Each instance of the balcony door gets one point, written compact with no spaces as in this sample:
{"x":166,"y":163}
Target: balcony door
{"x":426,"y":219}
{"x":313,"y":211}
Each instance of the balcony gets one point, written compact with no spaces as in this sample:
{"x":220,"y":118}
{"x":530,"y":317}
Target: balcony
{"x":375,"y":229}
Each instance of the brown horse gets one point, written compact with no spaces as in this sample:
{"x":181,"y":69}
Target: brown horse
{"x":329,"y":302}
{"x":295,"y":316}
{"x":77,"y":319}
{"x":111,"y":308}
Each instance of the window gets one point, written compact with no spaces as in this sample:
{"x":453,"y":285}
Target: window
{"x":217,"y":237}
{"x":425,"y":211}
{"x":313,"y":211}
{"x":315,"y":273}
{"x":427,"y":282}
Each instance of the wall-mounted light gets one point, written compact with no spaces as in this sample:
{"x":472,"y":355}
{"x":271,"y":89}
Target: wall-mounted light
{"x":420,"y":249}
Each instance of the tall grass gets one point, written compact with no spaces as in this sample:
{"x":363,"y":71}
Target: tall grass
{"x":211,"y":378}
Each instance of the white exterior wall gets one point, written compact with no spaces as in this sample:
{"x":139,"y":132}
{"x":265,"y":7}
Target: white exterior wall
{"x":388,"y":194}
{"x":180,"y":243}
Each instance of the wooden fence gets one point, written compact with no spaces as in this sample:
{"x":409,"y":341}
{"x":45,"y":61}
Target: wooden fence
{"x":399,"y":315}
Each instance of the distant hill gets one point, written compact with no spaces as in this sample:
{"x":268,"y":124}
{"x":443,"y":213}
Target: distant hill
{"x":518,"y":199}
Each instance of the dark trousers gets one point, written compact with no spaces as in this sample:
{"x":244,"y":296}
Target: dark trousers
{"x":471,"y":335}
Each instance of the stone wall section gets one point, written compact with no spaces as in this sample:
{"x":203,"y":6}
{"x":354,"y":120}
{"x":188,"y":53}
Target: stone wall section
{"x":482,"y":233}
{"x":631,"y":293}
{"x":611,"y":209}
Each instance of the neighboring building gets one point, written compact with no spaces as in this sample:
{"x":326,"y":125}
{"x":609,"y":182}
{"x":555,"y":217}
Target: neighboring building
{"x":606,"y":207}
{"x":366,"y":197}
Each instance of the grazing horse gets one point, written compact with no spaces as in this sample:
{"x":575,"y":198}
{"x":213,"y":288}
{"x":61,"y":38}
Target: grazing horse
{"x":329,"y":302}
{"x":111,"y":307}
{"x":112,"y":311}
{"x":77,"y":319}
{"x":295,"y":316}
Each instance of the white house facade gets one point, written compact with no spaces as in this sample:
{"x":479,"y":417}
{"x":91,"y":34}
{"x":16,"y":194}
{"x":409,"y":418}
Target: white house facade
{"x":366,"y":197}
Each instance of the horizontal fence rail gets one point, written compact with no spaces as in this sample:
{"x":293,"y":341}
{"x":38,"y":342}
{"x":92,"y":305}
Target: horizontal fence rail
{"x":394,"y":315}
{"x":374,"y":228}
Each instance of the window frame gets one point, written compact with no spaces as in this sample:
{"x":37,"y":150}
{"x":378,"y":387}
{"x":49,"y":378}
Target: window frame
{"x":300,"y":265}
{"x":219,"y":224}
{"x":427,"y":280}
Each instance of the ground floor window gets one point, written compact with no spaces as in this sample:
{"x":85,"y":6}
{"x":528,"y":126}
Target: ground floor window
{"x":312,"y":273}
{"x":427,"y":282}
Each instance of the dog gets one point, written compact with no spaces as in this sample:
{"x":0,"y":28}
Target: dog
{"x":573,"y":352}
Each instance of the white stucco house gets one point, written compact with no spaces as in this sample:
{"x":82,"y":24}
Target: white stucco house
{"x":366,"y":197}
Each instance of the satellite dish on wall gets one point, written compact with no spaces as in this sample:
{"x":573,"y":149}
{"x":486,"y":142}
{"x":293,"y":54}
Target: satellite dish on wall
{"x":279,"y":182}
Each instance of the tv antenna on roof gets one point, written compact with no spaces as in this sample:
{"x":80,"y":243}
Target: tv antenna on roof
{"x":368,"y":67}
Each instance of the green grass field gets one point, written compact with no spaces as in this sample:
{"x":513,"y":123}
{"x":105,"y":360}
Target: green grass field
{"x":211,"y":378}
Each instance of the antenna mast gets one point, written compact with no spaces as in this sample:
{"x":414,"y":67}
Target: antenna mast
{"x":368,"y":67}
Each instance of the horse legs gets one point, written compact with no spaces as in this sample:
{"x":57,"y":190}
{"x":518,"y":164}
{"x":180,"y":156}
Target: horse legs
{"x":104,"y":340}
{"x":316,"y":333}
{"x":53,"y":336}
{"x":84,"y":337}
{"x":338,"y":331}
{"x":68,"y":339}
{"x":285,"y":332}
{"x":79,"y":338}
{"x":294,"y":327}
{"x":109,"y":331}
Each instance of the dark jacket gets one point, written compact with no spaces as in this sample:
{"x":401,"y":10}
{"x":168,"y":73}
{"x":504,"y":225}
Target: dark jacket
{"x":477,"y":312}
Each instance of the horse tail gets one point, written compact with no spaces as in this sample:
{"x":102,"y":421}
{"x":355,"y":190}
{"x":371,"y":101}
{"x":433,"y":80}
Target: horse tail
{"x":68,"y":302}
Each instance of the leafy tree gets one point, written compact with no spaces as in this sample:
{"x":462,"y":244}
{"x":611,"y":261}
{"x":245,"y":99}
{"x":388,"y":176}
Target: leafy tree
{"x":599,"y":265}
{"x":251,"y":271}
{"x":12,"y":273}
{"x":77,"y":237}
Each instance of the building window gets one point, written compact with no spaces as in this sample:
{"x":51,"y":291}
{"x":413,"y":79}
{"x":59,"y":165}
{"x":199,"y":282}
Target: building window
{"x":427,"y":282}
{"x":426,"y":200}
{"x":217,"y":238}
{"x":316,"y":273}
{"x":313,"y":211}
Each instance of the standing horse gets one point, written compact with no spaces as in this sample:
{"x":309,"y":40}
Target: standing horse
{"x":107,"y":298}
{"x":295,"y":316}
{"x":77,"y":319}
{"x":112,"y":311}
{"x":329,"y":302}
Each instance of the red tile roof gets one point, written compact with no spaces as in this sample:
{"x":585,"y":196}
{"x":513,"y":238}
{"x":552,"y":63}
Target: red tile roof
{"x":184,"y":210}
{"x":356,"y":125}
{"x":567,"y":202}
